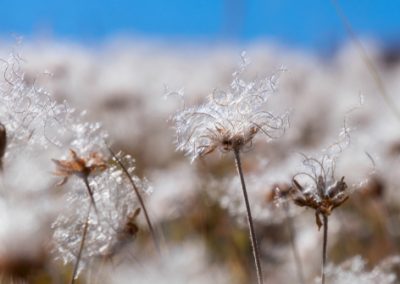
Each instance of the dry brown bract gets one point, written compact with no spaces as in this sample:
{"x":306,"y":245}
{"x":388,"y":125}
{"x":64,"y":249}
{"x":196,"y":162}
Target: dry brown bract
{"x":323,"y":200}
{"x":81,"y":167}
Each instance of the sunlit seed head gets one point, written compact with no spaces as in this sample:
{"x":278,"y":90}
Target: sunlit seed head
{"x":230,"y":119}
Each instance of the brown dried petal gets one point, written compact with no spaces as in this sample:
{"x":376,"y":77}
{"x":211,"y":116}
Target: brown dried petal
{"x":300,"y":202}
{"x":130,"y":227}
{"x":297,"y":185}
{"x":79,"y":166}
{"x":340,"y":202}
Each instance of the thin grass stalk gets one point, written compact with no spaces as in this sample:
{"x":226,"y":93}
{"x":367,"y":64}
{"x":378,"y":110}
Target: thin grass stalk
{"x":141,"y":201}
{"x":3,"y":144}
{"x":325,"y":218}
{"x":82,"y":245}
{"x":296,"y":255}
{"x":253,"y":239}
{"x":367,"y":60}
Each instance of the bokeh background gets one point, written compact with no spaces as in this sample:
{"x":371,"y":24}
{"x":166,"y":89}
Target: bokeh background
{"x":312,"y":25}
{"x":121,"y":61}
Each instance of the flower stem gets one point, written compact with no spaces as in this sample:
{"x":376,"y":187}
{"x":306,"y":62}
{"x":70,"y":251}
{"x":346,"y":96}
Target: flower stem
{"x":84,"y":234}
{"x":139,"y":197}
{"x":253,"y":239}
{"x":299,"y":266}
{"x":90,"y":192}
{"x":325,"y":218}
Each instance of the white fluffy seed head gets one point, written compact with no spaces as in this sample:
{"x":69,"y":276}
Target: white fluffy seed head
{"x":229,"y":120}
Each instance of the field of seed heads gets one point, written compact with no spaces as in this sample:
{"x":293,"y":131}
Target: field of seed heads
{"x":146,"y":163}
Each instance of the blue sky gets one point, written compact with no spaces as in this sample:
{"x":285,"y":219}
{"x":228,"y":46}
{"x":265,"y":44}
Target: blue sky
{"x":309,"y":24}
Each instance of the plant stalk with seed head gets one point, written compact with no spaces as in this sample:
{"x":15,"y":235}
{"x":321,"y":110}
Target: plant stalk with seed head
{"x":253,"y":239}
{"x":139,"y":197}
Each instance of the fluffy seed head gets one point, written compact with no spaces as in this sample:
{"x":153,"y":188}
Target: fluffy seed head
{"x":230,"y":119}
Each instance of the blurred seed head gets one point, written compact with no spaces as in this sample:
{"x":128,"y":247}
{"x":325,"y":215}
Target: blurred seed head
{"x":374,"y":188}
{"x":111,"y":229}
{"x":79,"y":166}
{"x":125,"y":235}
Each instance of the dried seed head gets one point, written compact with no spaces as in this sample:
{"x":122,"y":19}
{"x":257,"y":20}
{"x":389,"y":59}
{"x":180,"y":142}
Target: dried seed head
{"x":3,"y":144}
{"x":81,"y":167}
{"x":324,"y":193}
{"x":230,"y":119}
{"x":131,"y":227}
{"x":125,"y":235}
{"x":278,"y":193}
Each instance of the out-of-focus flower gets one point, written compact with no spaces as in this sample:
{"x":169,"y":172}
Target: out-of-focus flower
{"x":354,"y":271}
{"x":230,"y":119}
{"x":110,"y":229}
{"x":81,"y":167}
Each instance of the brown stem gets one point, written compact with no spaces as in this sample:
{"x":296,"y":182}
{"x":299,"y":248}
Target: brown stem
{"x":139,"y":197}
{"x":90,"y":192}
{"x":296,"y":255}
{"x":325,"y":218}
{"x":84,"y":234}
{"x":253,"y":239}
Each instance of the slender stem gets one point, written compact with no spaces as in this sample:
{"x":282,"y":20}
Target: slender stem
{"x":296,"y":255}
{"x":253,"y":239}
{"x":325,"y":218}
{"x":90,"y":192}
{"x":376,"y":76}
{"x":141,"y":201}
{"x":84,"y":234}
{"x":3,"y":144}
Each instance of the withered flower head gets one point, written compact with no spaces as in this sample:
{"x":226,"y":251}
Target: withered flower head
{"x":125,"y":235}
{"x":3,"y":144}
{"x":320,"y":190}
{"x":230,"y":119}
{"x":81,"y":167}
{"x":130,"y":229}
